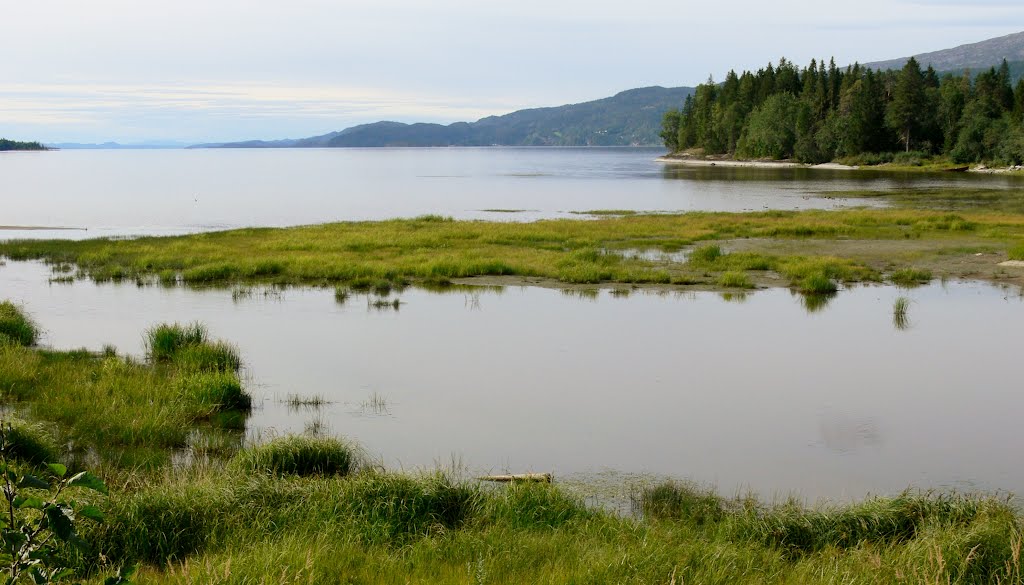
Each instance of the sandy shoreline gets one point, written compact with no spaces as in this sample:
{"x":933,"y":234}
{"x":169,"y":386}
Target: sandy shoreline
{"x":751,"y":164}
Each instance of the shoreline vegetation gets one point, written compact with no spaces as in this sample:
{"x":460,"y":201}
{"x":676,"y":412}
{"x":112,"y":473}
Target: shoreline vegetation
{"x":939,"y":233}
{"x":925,"y":164}
{"x":190,"y":501}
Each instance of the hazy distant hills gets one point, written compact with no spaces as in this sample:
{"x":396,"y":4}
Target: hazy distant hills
{"x":629,"y":118}
{"x":973,"y":56}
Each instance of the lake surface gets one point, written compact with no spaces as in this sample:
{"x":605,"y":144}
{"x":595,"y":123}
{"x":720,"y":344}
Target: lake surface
{"x":751,"y":393}
{"x":133,"y":192}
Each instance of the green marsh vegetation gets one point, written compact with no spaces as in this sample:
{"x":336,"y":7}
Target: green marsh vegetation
{"x":313,"y":508}
{"x":384,"y":256}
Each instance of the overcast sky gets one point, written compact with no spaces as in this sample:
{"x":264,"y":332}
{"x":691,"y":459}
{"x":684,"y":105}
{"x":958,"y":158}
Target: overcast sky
{"x":211,"y":70}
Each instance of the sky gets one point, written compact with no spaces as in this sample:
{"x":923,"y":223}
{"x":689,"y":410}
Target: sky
{"x":220,"y":70}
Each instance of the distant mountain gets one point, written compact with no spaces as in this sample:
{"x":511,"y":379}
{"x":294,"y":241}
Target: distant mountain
{"x":973,"y":56}
{"x":629,"y":118}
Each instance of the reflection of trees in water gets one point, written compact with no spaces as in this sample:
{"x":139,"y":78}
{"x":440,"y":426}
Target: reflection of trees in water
{"x":843,"y":434}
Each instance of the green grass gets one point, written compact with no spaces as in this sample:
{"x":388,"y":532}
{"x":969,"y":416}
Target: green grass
{"x":299,"y":455}
{"x":734,"y":279}
{"x":115,"y":408}
{"x":910,"y":277}
{"x":368,"y":255}
{"x":188,"y":346}
{"x":1017,"y":252}
{"x":15,"y":326}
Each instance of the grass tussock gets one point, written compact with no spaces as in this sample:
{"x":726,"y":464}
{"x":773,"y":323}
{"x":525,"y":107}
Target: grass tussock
{"x":733,"y":279}
{"x":15,"y":326}
{"x":189,"y":347}
{"x":910,"y":277}
{"x":900,"y":307}
{"x":1017,"y":252}
{"x":300,"y":455}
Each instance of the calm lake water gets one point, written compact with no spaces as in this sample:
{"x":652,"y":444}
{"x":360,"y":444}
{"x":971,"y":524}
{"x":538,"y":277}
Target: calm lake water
{"x":755,"y":393}
{"x":128,"y":192}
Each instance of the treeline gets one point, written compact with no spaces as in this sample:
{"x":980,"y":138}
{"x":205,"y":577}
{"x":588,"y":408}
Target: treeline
{"x":818,"y":114}
{"x":6,"y":144}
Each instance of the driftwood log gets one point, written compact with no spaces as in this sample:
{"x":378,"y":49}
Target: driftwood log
{"x":517,"y":477}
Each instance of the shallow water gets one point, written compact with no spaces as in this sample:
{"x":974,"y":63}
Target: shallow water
{"x":132,"y":192}
{"x":756,"y":393}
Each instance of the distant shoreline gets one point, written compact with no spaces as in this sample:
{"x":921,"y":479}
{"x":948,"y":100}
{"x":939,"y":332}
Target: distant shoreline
{"x":40,"y":228}
{"x":751,"y":164}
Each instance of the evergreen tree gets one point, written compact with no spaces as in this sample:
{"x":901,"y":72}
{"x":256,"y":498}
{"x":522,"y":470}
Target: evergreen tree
{"x":908,"y":102}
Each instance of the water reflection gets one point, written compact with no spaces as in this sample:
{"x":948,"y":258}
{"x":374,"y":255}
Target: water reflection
{"x":815,"y":303}
{"x":656,"y":381}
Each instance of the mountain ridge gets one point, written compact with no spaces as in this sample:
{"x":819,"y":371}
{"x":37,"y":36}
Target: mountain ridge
{"x":979,"y":55}
{"x":628,"y":118}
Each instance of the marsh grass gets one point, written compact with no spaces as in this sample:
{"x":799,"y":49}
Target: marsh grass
{"x":188,"y":346}
{"x":900,"y":320}
{"x":734,"y":279}
{"x":15,"y":326}
{"x":300,"y":455}
{"x":422,"y":250}
{"x":1017,"y":252}
{"x":910,"y":277}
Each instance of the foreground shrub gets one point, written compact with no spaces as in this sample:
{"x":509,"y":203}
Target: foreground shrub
{"x":299,"y":455}
{"x":15,"y":326}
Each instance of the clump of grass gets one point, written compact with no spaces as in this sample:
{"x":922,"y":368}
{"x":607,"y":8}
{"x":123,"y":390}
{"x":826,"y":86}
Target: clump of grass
{"x":216,"y":356}
{"x":16,"y":327}
{"x":1017,"y":252}
{"x":911,"y":277}
{"x":674,"y":500}
{"x":188,"y":346}
{"x":799,"y":531}
{"x":164,"y":341}
{"x":299,"y":455}
{"x":705,"y":255}
{"x":734,"y":279}
{"x":817,"y":283}
{"x":215,"y":392}
{"x":384,"y":304}
{"x":297,"y":401}
{"x":899,"y":313}
{"x":32,"y":443}
{"x":535,"y":505}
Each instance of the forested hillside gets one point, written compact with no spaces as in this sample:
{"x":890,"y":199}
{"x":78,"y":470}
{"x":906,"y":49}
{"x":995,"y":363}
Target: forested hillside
{"x":6,"y":144}
{"x":821,"y":113}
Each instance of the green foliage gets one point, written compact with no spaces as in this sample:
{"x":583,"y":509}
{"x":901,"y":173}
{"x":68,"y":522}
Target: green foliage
{"x":38,"y":518}
{"x":299,"y":455}
{"x":855,"y":115}
{"x":15,"y":326}
{"x":6,"y":144}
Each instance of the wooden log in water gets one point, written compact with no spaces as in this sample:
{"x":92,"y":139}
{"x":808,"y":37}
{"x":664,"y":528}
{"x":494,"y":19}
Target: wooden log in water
{"x":516,"y":477}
